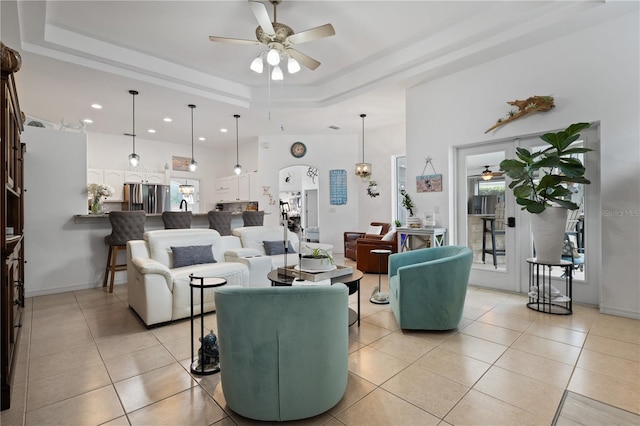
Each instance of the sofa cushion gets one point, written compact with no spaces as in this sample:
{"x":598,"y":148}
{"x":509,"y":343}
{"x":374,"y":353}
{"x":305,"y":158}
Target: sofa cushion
{"x":389,"y":236}
{"x":253,"y":236}
{"x":192,"y":255}
{"x":276,"y":247}
{"x":374,"y":230}
{"x":160,"y":242}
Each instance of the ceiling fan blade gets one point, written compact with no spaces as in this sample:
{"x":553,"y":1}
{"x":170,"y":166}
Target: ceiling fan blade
{"x":322,"y":31}
{"x":305,"y":60}
{"x":260,"y":12}
{"x":233,"y":40}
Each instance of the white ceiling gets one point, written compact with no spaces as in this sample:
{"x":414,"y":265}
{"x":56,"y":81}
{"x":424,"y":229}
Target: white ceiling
{"x":76,"y":53}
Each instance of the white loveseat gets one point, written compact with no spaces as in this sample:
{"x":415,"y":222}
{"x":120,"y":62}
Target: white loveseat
{"x":160,"y":292}
{"x":253,"y":238}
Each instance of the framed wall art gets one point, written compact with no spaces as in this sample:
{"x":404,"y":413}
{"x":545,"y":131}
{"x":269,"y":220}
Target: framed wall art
{"x":429,"y":183}
{"x":337,"y":187}
{"x":180,"y":163}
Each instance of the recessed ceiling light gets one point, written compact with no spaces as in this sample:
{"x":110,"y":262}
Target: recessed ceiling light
{"x":223,"y":130}
{"x":151,"y":130}
{"x":88,"y":120}
{"x":96,"y":106}
{"x":167,"y":119}
{"x":202,"y":139}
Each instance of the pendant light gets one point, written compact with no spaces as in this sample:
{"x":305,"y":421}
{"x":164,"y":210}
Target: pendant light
{"x":237,"y":169}
{"x":193,"y":165}
{"x":134,"y":159}
{"x":363,"y":169}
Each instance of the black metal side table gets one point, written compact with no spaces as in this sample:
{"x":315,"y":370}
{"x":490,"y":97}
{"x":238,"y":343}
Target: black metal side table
{"x":208,"y":361}
{"x":543,"y":297}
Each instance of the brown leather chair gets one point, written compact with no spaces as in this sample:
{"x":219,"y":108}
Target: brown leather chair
{"x":350,"y":238}
{"x":373,"y":263}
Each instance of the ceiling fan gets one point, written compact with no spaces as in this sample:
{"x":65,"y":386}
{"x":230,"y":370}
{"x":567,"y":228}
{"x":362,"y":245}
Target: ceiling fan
{"x":487,"y":174}
{"x":279,"y":38}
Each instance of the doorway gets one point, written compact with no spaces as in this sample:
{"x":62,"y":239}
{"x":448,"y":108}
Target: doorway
{"x":298,"y":190}
{"x":510,"y":271}
{"x":484,"y":204}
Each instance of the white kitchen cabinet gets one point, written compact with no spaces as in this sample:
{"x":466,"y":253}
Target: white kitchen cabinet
{"x":242,"y":187}
{"x":226,"y":188}
{"x":140,"y":177}
{"x":157,"y":178}
{"x":113,"y":178}
{"x":95,"y":176}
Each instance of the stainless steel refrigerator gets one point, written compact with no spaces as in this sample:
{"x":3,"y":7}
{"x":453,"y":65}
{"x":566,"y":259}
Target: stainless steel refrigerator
{"x":151,"y":198}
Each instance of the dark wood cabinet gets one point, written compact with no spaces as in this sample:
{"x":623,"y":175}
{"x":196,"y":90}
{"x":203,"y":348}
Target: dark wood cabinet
{"x":11,"y":221}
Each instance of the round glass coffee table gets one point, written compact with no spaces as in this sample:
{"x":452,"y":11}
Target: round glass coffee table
{"x":352,"y":281}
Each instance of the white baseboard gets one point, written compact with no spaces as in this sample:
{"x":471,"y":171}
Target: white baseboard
{"x":65,"y":289}
{"x":611,"y":310}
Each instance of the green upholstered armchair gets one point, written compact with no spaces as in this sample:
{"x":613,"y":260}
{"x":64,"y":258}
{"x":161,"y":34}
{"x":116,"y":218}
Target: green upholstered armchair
{"x":427,"y":287}
{"x":283,"y":350}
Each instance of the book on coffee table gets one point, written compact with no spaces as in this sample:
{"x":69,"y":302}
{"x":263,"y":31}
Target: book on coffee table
{"x":294,"y":271}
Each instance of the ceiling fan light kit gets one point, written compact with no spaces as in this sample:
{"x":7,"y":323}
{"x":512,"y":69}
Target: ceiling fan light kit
{"x":276,"y":74}
{"x":279,"y":39}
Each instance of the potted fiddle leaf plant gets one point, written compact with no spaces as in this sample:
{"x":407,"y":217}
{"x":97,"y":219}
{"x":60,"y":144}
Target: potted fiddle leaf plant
{"x":540,"y":183}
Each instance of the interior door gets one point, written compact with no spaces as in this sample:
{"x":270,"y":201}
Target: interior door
{"x":310,"y":208}
{"x":480,"y":223}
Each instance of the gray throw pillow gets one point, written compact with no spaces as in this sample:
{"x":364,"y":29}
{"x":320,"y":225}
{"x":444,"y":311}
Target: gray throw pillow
{"x":276,"y":247}
{"x":192,"y":255}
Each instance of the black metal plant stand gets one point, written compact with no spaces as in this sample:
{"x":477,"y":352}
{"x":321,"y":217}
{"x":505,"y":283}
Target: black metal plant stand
{"x":208,"y":360}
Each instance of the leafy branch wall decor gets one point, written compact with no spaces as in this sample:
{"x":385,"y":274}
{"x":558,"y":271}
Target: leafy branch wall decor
{"x":525,"y":107}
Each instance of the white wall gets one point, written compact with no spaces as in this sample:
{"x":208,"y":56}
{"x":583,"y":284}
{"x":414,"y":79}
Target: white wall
{"x":381,"y":144}
{"x":593,"y":76}
{"x":325,"y":153}
{"x":55,"y":175}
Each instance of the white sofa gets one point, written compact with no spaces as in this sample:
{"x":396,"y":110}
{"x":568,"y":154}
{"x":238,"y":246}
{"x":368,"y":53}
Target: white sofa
{"x":159,"y":292}
{"x":253,"y":238}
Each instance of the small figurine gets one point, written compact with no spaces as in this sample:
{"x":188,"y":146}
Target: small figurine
{"x":208,"y":354}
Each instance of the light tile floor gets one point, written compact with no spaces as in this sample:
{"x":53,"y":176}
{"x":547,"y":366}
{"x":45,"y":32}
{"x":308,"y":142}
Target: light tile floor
{"x":85,"y":359}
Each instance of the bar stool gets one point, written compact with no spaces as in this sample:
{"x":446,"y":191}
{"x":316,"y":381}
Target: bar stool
{"x":125,"y":226}
{"x":253,"y":218}
{"x":220,"y":221}
{"x":177,"y":220}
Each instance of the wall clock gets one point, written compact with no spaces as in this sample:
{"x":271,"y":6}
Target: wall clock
{"x":298,"y":149}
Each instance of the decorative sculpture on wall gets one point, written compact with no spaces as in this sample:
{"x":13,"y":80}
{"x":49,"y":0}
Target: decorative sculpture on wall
{"x":372,"y":189}
{"x":312,"y":172}
{"x":266,"y":191}
{"x":525,"y":107}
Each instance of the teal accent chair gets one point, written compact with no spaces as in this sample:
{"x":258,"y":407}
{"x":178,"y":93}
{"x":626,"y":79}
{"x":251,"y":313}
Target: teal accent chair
{"x":427,"y":287}
{"x":283,"y":350}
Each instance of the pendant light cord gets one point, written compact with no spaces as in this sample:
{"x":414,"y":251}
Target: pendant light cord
{"x":363,"y":116}
{"x":133,"y":133}
{"x":237,"y":149}
{"x":192,"y":107}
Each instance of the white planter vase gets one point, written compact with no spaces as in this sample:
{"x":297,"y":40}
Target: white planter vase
{"x":547,"y":231}
{"x":314,"y":264}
